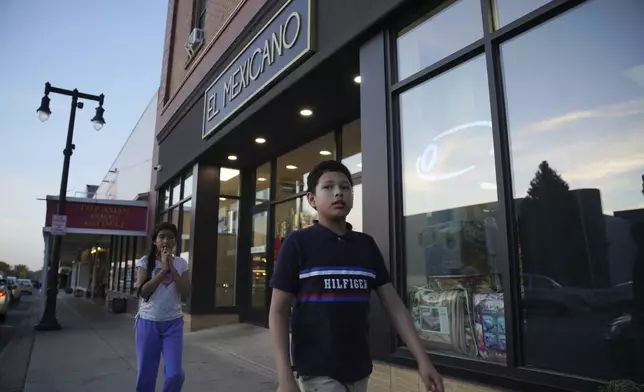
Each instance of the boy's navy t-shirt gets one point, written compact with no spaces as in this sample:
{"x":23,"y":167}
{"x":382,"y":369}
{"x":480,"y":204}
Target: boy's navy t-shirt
{"x":331,"y":276}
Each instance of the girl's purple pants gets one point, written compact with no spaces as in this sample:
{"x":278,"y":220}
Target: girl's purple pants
{"x":154,"y":338}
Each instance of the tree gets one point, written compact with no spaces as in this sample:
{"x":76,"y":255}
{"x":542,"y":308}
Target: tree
{"x":20,"y":271}
{"x":5,"y":267}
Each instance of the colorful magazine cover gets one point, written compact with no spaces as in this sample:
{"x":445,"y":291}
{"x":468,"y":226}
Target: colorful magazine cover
{"x":489,"y":324}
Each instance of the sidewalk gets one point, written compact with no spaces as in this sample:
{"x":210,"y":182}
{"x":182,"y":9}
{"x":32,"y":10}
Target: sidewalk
{"x":95,"y":352}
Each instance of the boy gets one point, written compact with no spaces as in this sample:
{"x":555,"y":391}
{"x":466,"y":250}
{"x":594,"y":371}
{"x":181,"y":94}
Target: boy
{"x":330,"y":270}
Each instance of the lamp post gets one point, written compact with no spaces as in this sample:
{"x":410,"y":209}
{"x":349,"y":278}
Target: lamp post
{"x":49,"y":322}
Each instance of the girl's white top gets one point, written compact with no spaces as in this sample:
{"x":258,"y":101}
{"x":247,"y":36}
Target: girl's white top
{"x":165,"y":303}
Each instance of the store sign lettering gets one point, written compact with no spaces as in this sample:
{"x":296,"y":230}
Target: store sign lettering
{"x":279,"y":45}
{"x":426,"y":162}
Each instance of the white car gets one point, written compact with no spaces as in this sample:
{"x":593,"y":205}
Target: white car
{"x":26,"y":286}
{"x":14,"y":288}
{"x":5,"y":296}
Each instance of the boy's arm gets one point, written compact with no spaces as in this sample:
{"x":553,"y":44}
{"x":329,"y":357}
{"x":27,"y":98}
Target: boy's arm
{"x":401,"y":319}
{"x":278,"y":325}
{"x":285,"y":283}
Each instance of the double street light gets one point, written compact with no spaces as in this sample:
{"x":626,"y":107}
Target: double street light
{"x":49,"y":322}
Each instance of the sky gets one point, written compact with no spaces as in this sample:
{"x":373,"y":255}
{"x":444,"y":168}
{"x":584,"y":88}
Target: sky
{"x":110,"y":47}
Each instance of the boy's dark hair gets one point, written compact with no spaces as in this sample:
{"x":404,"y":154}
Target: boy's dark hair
{"x":152,"y":253}
{"x":323,"y":167}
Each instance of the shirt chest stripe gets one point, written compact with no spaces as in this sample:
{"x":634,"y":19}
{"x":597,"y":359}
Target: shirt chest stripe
{"x":325,"y":272}
{"x":334,"y":297}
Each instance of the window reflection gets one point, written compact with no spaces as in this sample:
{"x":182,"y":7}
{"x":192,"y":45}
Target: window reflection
{"x":575,"y":114}
{"x":185,"y":230}
{"x":176,"y":192}
{"x":507,"y":11}
{"x":165,"y":202}
{"x":187,"y":184}
{"x":229,"y":182}
{"x":227,"y":252}
{"x":263,"y":183}
{"x":355,"y":216}
{"x":437,"y":35}
{"x":293,"y":167}
{"x":258,"y":253}
{"x":352,"y":147}
{"x":450,"y":219}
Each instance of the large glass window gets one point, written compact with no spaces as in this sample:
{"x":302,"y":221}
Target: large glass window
{"x":507,"y":11}
{"x":293,"y":167}
{"x":450,"y":219}
{"x":226,"y":252}
{"x":258,"y":254}
{"x":229,"y":182}
{"x":187,"y":184}
{"x":176,"y":192}
{"x":352,"y":147}
{"x":355,"y":216}
{"x":575,"y":105}
{"x":186,"y":238}
{"x":437,"y":35}
{"x":263,"y":183}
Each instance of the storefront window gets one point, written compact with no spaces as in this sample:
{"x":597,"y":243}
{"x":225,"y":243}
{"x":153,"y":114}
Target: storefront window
{"x":450,"y":219}
{"x":185,"y":230}
{"x":575,"y":113}
{"x":355,"y":216}
{"x":187,"y":184}
{"x":226,"y":252}
{"x":294,"y":166}
{"x":229,"y":182}
{"x":176,"y":192}
{"x":258,"y":253}
{"x":175,"y":219}
{"x":165,"y":202}
{"x":507,"y":11}
{"x":438,"y":35}
{"x":263,"y":183}
{"x":352,"y":147}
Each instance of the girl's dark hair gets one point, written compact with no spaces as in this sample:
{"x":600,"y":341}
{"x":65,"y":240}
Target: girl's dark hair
{"x":152,"y":254}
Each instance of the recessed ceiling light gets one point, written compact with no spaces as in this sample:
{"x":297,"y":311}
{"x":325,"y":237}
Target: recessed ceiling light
{"x":222,"y":198}
{"x":232,"y":157}
{"x":306,"y":112}
{"x":357,"y":79}
{"x":260,"y":140}
{"x":261,"y":179}
{"x":325,"y":152}
{"x":291,"y":167}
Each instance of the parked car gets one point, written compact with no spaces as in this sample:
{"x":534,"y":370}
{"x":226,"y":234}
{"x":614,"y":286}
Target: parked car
{"x":14,"y":288}
{"x":5,"y":298}
{"x":26,"y":286}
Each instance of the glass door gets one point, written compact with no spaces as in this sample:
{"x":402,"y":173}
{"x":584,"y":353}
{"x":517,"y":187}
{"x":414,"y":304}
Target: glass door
{"x":259,"y":252}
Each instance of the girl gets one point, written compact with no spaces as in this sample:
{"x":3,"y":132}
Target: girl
{"x":162,"y":280}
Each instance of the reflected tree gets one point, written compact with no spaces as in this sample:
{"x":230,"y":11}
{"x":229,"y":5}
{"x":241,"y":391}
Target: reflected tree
{"x":552,"y":237}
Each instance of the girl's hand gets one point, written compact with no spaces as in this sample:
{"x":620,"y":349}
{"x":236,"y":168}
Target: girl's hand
{"x":166,"y":259}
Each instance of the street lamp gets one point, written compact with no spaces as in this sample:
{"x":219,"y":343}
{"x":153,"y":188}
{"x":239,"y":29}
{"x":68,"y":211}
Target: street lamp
{"x":49,"y":322}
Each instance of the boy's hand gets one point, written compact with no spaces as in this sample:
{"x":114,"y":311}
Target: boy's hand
{"x":288,"y":386}
{"x":432,"y":380}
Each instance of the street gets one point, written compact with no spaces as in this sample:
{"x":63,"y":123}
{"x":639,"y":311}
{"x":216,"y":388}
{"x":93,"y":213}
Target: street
{"x":17,"y":318}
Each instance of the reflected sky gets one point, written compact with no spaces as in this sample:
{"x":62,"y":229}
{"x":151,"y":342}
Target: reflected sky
{"x":575,"y":97}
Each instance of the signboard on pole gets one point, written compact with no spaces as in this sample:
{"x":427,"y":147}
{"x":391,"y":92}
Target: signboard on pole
{"x":59,"y":224}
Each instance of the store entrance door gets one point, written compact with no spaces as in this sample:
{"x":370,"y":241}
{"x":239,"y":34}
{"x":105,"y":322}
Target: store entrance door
{"x":260,"y":268}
